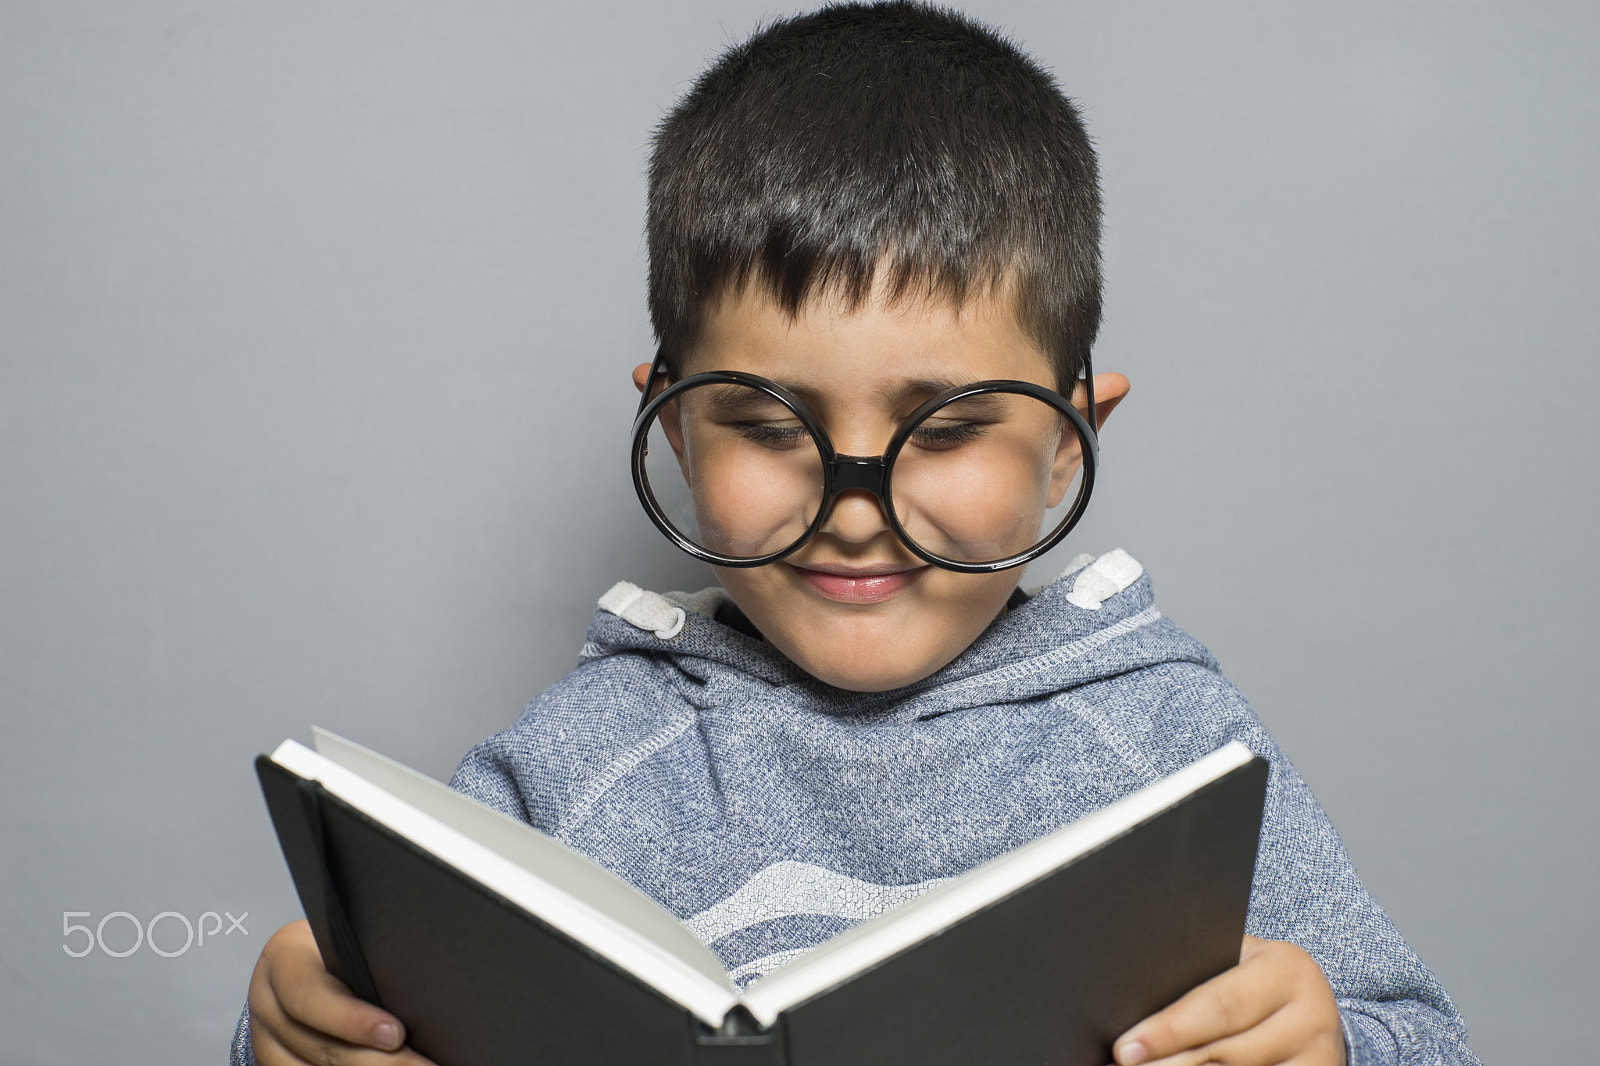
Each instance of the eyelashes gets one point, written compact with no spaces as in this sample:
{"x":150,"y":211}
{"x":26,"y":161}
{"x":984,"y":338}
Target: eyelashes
{"x":941,"y":437}
{"x":772,"y":434}
{"x":947,"y":436}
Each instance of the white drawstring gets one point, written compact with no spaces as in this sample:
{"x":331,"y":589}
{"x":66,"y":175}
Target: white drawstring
{"x":646,"y":610}
{"x":1103,"y":579}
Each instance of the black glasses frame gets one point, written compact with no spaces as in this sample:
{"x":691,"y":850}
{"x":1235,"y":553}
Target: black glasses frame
{"x":873,"y":473}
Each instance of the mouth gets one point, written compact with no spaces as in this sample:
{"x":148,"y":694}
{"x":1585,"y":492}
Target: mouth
{"x":859,"y":584}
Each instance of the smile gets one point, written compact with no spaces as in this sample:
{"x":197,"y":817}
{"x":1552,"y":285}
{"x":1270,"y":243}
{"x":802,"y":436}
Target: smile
{"x":865,"y":584}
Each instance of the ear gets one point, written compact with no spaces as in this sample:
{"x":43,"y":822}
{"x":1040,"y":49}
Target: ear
{"x":666,"y":418}
{"x":1109,"y":390}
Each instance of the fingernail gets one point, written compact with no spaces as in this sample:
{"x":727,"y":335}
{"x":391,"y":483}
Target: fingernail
{"x":1131,"y":1054}
{"x":387,"y":1034}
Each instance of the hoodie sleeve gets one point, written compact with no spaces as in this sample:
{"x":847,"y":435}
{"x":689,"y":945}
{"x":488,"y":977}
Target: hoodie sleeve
{"x":242,"y":1052}
{"x":488,"y":774}
{"x":1306,"y":891}
{"x":541,"y":766}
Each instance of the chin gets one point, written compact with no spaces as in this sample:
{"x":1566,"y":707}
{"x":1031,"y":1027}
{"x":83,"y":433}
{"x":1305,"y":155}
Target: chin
{"x":867,"y":681}
{"x":868,"y":647}
{"x":876,"y":666}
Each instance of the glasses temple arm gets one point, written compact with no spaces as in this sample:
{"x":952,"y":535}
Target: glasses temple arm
{"x":657,"y":366}
{"x":1088,"y":386}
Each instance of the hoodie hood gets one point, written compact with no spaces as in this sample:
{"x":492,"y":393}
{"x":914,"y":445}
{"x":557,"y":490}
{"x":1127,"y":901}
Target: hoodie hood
{"x":770,"y":811}
{"x":1096,"y":620}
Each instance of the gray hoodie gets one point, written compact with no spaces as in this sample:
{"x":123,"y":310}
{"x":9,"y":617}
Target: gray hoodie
{"x":770,"y":811}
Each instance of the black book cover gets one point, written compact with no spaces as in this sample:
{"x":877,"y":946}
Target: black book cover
{"x":1050,"y":974}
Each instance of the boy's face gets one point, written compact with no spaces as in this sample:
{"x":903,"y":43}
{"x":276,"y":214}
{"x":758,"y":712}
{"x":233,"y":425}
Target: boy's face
{"x":854,"y":607}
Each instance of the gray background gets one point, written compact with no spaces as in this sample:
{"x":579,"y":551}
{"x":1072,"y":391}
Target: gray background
{"x":315,"y":327}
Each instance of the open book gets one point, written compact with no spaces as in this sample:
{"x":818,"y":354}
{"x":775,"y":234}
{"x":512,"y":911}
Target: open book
{"x":496,"y":944}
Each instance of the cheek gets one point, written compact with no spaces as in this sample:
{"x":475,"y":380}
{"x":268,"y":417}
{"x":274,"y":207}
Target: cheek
{"x":974,"y":506}
{"x":749,"y":503}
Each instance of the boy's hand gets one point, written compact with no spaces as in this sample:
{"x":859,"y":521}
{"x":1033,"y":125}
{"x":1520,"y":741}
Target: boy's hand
{"x":301,"y":1013}
{"x":1274,"y":1007}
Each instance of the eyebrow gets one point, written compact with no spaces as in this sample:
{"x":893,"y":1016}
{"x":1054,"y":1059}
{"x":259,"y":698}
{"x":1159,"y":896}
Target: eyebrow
{"x":739,"y":397}
{"x":912,"y":393}
{"x":894,"y":394}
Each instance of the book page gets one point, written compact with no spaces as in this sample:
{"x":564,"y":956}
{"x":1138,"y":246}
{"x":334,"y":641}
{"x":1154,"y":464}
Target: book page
{"x":527,"y":867}
{"x":877,"y":939}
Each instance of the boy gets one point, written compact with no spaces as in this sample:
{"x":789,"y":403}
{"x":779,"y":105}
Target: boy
{"x":875,"y":281}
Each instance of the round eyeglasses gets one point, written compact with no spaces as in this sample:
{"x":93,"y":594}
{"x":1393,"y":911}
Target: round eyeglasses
{"x":737,"y":471}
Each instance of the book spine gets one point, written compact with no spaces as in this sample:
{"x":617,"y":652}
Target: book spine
{"x":738,"y":1041}
{"x":352,"y":962}
{"x":295,"y":804}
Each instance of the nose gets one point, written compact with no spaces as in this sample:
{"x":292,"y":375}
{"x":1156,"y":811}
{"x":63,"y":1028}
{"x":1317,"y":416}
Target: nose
{"x":858,"y":484}
{"x":856,"y":518}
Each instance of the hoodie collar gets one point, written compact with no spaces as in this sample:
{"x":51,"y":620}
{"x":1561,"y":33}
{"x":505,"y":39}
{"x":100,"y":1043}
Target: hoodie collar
{"x":1092,"y":621}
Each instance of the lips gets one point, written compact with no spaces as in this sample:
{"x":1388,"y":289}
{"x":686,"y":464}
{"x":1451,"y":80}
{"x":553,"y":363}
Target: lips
{"x":869,"y":584}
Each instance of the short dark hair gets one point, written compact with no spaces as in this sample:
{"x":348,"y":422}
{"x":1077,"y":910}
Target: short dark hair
{"x":898,"y":135}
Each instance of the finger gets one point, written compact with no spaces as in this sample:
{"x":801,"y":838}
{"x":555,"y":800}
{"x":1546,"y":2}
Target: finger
{"x":265,"y":1047}
{"x":1229,"y":1003}
{"x":294,"y":997}
{"x":1268,"y":1043}
{"x":321,"y":1003}
{"x":287,"y":1043}
{"x":307,"y":993}
{"x":1283,"y":1037}
{"x":300,"y":1046}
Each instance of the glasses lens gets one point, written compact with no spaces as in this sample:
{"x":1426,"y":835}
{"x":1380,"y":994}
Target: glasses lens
{"x":734,"y":470}
{"x":988,"y":477}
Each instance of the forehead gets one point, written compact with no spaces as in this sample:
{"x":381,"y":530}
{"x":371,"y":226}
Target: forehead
{"x":876,"y":347}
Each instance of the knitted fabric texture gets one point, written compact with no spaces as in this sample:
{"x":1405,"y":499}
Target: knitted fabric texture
{"x":769,"y":811}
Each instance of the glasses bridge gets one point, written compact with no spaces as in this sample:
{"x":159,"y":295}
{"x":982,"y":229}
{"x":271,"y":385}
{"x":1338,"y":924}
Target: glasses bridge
{"x":859,"y":472}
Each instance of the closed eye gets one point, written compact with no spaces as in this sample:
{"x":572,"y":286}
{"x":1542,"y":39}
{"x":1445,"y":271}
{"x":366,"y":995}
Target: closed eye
{"x":937,"y":435}
{"x":772,"y":434}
